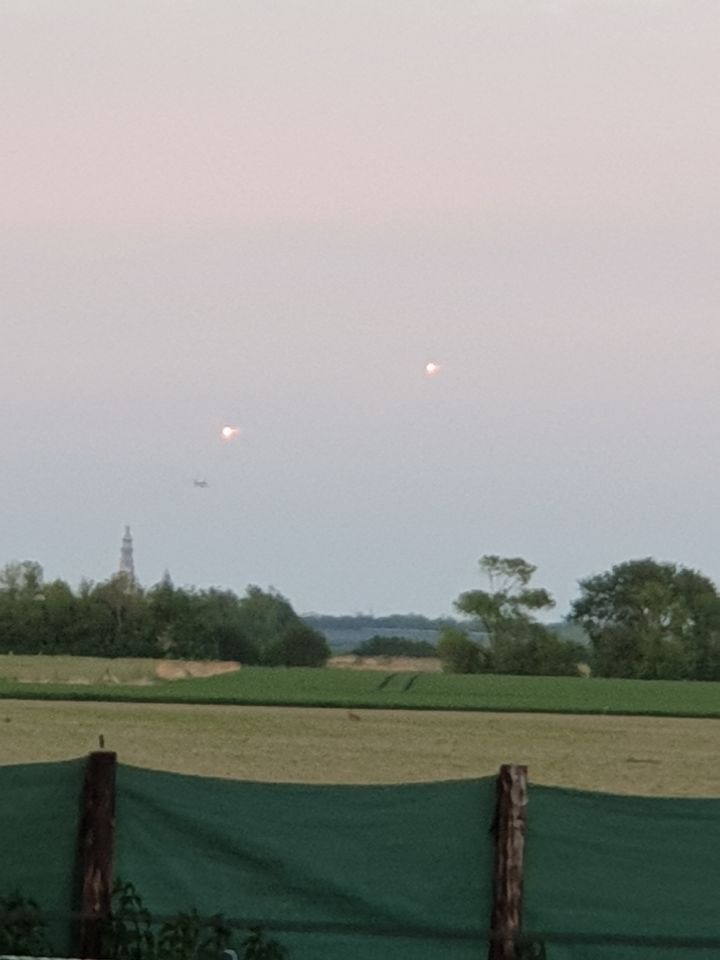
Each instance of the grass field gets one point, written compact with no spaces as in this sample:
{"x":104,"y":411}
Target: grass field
{"x":355,"y":688}
{"x":207,"y":726}
{"x":640,"y":755}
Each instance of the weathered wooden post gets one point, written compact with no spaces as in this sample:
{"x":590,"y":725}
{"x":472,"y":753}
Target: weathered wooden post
{"x":510,"y":822}
{"x":97,"y":821}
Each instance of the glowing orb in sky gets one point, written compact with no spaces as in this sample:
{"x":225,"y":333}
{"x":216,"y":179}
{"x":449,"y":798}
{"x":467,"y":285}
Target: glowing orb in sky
{"x":432,"y":368}
{"x":229,"y":433}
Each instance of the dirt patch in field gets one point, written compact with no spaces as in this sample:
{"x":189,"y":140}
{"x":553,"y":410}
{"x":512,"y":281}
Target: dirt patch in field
{"x":92,"y":671}
{"x":182,"y":669}
{"x":388,"y":664}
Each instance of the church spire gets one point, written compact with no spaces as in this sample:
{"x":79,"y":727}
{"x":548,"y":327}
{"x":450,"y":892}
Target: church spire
{"x":127,"y":564}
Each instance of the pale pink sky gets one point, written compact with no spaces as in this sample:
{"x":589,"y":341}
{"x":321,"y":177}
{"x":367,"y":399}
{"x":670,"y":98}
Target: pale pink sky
{"x":275,"y":213}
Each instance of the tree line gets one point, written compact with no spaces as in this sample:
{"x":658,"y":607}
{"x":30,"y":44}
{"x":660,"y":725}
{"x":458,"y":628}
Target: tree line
{"x":398,"y":622}
{"x":118,"y":618}
{"x":644,"y":619}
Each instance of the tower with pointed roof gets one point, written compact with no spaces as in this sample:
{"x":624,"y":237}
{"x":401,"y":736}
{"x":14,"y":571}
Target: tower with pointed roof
{"x":127,"y":563}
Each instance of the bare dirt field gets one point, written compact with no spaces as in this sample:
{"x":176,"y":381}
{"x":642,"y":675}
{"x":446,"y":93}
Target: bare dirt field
{"x":104,"y":670}
{"x":388,"y":664}
{"x":181,"y":669}
{"x":636,"y":755}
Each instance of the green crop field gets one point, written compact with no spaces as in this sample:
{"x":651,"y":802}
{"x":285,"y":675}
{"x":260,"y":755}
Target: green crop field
{"x":131,"y":681}
{"x":411,"y":726}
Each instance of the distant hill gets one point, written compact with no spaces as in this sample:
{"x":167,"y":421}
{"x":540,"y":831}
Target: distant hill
{"x":344,"y":633}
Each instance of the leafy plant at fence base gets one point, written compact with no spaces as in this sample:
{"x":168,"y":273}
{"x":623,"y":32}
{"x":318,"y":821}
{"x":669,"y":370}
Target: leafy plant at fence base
{"x":530,"y":950}
{"x":127,"y":934}
{"x":130,"y":934}
{"x":255,"y":947}
{"x":22,"y":928}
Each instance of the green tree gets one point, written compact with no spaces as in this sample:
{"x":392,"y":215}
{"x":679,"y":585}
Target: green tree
{"x":22,"y":580}
{"x":221,"y":627}
{"x":278,"y":634}
{"x":21,"y":617}
{"x":59,"y":611}
{"x":118,"y":618}
{"x":458,"y":653}
{"x":297,"y":646}
{"x":94,"y":630}
{"x":648,"y":619}
{"x":539,"y":652}
{"x":505,"y":612}
{"x":165,"y":605}
{"x":124,"y":600}
{"x":265,"y":615}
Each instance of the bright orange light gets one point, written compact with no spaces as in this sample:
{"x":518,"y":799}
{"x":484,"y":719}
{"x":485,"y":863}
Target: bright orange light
{"x":432,"y":368}
{"x":229,"y":433}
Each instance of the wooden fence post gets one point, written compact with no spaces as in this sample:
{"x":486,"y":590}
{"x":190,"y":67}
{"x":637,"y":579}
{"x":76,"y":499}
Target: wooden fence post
{"x":510,"y":822}
{"x":96,"y":850}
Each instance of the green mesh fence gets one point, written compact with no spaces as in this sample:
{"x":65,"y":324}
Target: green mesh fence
{"x":39,"y":814}
{"x":632,"y":866}
{"x":415,"y":858}
{"x":378,"y":871}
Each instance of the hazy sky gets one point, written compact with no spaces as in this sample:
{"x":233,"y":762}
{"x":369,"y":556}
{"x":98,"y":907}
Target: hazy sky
{"x":273,"y":213}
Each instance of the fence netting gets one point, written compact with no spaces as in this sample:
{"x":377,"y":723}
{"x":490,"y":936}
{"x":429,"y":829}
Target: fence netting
{"x":641,"y":868}
{"x":417,"y":856}
{"x":39,"y":814}
{"x":373,"y":871}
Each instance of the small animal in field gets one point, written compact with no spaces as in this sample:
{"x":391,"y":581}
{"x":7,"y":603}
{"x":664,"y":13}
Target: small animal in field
{"x":352,"y":716}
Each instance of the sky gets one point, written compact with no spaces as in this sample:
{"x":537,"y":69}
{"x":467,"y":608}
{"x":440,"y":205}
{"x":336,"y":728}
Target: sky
{"x":273,"y":213}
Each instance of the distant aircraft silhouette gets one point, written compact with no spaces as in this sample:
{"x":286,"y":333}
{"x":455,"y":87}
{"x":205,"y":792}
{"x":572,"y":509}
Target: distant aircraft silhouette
{"x":200,"y":483}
